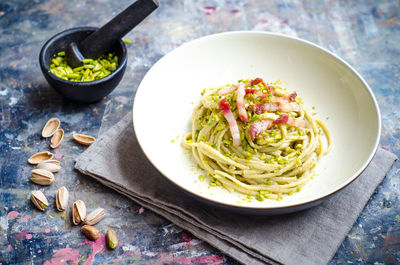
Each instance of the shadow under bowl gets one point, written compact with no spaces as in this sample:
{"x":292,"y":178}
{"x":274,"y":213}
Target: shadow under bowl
{"x":82,"y":92}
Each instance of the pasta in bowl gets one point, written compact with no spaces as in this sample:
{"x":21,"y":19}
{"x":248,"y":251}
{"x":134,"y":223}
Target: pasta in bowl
{"x":256,"y":138}
{"x":282,"y":159}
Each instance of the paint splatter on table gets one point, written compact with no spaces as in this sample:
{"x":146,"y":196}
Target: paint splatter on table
{"x":365,"y":33}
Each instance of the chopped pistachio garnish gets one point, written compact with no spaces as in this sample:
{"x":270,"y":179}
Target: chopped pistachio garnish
{"x":227,"y":142}
{"x":260,"y":197}
{"x":220,"y":127}
{"x":90,"y":71}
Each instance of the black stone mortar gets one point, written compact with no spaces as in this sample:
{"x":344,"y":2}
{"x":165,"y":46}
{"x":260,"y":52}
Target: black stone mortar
{"x":82,"y":92}
{"x":91,"y":42}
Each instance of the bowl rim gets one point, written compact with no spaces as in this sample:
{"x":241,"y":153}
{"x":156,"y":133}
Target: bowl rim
{"x":265,"y":209}
{"x":59,"y":35}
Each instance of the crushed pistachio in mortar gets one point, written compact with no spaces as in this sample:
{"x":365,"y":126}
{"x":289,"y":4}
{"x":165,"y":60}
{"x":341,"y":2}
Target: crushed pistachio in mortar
{"x":91,"y":69}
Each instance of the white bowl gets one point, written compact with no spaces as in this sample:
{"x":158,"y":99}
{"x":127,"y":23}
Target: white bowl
{"x":171,"y":89}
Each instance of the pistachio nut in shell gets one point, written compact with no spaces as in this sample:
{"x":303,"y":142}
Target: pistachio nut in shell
{"x":39,"y":200}
{"x":42,"y":176}
{"x":62,"y":198}
{"x":111,"y":239}
{"x":57,"y":138}
{"x":90,"y":232}
{"x":50,"y":127}
{"x":49,"y":166}
{"x":78,"y":212}
{"x":40,"y":157}
{"x":95,"y":216}
{"x":83,"y":139}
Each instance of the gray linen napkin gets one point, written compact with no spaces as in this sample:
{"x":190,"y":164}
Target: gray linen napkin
{"x":308,"y":237}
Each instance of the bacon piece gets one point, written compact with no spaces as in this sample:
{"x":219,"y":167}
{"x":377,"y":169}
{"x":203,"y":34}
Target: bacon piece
{"x":256,"y":92}
{"x":271,"y":107}
{"x":224,"y":106}
{"x":296,"y":122}
{"x":288,"y":106}
{"x":271,"y":89}
{"x":227,"y":90}
{"x":250,"y":91}
{"x":260,"y":93}
{"x":240,"y":103}
{"x":233,"y":127}
{"x":259,"y":127}
{"x":292,"y":96}
{"x":256,"y":81}
{"x":284,"y":118}
{"x":261,"y":108}
{"x":257,"y":108}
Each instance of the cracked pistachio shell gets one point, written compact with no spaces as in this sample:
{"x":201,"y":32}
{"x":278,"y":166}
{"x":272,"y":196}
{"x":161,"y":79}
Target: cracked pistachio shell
{"x":39,"y":200}
{"x":62,"y":198}
{"x":95,"y":216}
{"x":57,"y":138}
{"x":78,"y":212}
{"x":49,"y":166}
{"x":42,"y":176}
{"x":40,"y":157}
{"x":53,"y":161}
{"x":83,"y":139}
{"x":50,"y":127}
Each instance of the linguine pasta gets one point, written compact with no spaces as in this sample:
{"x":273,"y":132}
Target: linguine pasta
{"x":256,"y":138}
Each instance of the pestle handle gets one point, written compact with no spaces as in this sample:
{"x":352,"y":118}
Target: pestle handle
{"x":104,"y":38}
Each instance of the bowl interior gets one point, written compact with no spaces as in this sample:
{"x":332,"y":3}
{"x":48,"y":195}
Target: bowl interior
{"x":171,"y":89}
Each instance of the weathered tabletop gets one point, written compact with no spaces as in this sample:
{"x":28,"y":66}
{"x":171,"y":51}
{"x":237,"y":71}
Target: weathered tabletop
{"x":365,"y":33}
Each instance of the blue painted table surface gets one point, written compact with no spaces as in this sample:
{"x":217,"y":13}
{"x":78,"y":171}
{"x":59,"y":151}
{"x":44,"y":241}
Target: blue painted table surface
{"x":365,"y":33}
